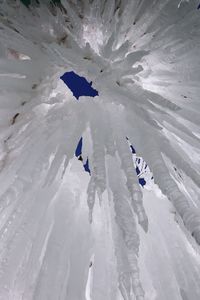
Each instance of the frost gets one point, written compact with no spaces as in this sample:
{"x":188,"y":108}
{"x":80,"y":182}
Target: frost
{"x":55,"y":219}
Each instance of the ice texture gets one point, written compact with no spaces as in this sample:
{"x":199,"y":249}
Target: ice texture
{"x":66,"y":235}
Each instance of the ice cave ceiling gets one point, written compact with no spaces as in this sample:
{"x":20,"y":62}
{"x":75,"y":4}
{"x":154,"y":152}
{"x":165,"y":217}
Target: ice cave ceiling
{"x":129,"y":227}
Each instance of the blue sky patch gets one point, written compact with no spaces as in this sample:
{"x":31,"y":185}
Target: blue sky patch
{"x":78,"y":85}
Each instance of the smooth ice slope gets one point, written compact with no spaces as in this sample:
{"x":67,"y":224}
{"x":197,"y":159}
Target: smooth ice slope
{"x":56,"y":220}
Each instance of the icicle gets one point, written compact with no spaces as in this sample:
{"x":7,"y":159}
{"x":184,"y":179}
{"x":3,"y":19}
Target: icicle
{"x":91,"y":192}
{"x":143,"y":58}
{"x":168,"y":186}
{"x":186,"y":165}
{"x":98,"y":157}
{"x":128,"y":276}
{"x":132,"y":181}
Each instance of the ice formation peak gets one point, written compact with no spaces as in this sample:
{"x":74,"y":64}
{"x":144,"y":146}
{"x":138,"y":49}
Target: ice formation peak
{"x":143,"y":59}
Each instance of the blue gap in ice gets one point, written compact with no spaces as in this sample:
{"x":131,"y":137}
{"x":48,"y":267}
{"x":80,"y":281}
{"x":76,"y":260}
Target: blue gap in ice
{"x":78,"y":85}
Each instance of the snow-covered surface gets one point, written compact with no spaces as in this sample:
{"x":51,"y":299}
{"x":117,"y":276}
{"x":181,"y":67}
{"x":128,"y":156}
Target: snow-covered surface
{"x":65,"y":234}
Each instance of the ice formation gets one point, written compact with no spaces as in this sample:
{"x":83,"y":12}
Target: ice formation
{"x":142,"y":57}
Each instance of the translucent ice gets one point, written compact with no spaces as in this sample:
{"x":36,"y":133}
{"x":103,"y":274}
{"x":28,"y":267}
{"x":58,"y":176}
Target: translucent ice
{"x":143,"y":58}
